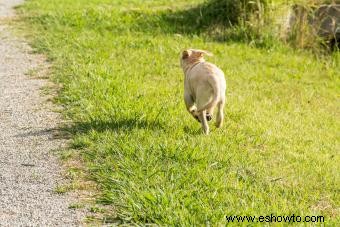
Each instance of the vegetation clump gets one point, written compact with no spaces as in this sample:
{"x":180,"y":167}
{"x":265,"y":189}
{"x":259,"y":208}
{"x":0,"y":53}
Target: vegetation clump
{"x":230,"y":12}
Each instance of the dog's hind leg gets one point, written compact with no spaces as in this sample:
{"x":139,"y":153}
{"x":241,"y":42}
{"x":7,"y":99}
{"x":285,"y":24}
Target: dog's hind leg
{"x":190,"y":105}
{"x":204,"y":122}
{"x":220,"y":114}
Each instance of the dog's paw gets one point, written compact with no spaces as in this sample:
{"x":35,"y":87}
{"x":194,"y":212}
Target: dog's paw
{"x":196,"y":117}
{"x":208,"y":117}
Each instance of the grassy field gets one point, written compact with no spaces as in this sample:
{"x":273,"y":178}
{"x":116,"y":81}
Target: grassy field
{"x":117,"y":64}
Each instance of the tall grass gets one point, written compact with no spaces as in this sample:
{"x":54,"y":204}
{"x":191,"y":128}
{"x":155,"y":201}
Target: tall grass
{"x":246,"y":21}
{"x":221,"y":20}
{"x":254,"y":22}
{"x":303,"y":33}
{"x":232,"y":12}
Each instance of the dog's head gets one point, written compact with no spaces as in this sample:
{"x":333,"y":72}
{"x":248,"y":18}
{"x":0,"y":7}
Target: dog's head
{"x":192,"y":56}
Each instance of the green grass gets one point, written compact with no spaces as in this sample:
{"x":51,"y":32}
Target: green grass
{"x":118,"y":66}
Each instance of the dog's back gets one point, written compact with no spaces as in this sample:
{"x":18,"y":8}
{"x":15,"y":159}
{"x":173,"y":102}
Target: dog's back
{"x":201,"y":86}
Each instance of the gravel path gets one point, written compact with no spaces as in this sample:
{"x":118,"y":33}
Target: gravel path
{"x":29,"y":171}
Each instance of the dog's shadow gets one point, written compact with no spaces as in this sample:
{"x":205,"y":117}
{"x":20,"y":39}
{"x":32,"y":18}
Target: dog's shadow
{"x":192,"y":131}
{"x":197,"y":131}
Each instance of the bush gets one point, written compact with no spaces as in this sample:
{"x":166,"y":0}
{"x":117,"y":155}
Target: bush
{"x":233,"y":12}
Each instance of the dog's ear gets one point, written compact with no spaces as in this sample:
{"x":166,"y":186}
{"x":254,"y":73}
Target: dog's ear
{"x":185,"y":54}
{"x":203,"y":52}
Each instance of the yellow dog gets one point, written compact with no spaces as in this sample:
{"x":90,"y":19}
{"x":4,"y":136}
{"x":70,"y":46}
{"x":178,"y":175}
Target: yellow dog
{"x":204,"y":87}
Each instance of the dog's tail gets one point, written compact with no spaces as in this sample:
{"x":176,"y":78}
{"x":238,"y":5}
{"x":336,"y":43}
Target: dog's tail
{"x":212,"y":80}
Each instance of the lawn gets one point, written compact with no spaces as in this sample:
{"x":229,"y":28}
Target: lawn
{"x":117,"y":64}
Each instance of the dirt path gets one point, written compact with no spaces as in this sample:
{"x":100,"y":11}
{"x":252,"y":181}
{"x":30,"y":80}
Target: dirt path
{"x":29,"y":171}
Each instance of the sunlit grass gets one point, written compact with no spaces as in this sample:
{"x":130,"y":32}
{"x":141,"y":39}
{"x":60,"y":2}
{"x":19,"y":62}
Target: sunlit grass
{"x":117,"y":62}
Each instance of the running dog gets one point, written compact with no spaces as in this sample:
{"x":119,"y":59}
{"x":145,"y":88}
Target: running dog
{"x":204,"y":87}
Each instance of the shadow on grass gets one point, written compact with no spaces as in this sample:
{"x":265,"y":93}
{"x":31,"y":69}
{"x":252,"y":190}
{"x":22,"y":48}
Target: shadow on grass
{"x":122,"y":125}
{"x":203,"y":17}
{"x":67,"y":132}
{"x":217,"y":20}
{"x":197,"y":131}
